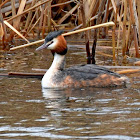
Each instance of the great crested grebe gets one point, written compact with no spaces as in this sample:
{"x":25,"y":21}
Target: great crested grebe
{"x":76,"y":76}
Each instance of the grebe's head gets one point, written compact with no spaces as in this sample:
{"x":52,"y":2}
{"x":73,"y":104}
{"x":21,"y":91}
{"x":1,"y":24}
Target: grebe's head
{"x":55,"y":42}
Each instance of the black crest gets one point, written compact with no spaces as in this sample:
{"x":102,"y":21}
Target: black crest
{"x":52,"y":35}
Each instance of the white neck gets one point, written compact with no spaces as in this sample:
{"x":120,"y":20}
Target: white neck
{"x":57,"y":65}
{"x":58,"y":62}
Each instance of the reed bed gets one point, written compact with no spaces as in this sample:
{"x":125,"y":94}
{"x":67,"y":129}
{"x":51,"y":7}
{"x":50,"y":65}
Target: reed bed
{"x":33,"y":19}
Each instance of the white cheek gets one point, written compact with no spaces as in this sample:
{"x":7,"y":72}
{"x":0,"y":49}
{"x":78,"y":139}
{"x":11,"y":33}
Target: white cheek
{"x":52,"y":46}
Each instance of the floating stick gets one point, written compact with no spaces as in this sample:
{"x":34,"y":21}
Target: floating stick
{"x":66,"y":34}
{"x":128,"y":71}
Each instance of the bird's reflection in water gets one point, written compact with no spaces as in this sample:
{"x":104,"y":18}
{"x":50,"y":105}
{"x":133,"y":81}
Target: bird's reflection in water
{"x":57,"y":97}
{"x":65,"y":94}
{"x":54,"y":101}
{"x":50,"y":93}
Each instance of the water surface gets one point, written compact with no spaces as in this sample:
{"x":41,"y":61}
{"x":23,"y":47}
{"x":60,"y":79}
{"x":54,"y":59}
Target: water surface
{"x":28,"y":112}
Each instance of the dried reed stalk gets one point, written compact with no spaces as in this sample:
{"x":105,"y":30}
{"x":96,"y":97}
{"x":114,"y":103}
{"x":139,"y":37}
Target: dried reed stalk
{"x":60,"y":4}
{"x":97,"y":15}
{"x":136,"y":19}
{"x":93,"y":8}
{"x":66,"y":34}
{"x":11,"y":27}
{"x":8,"y":8}
{"x":13,"y":10}
{"x":41,"y":19}
{"x":134,"y":28}
{"x":68,"y":14}
{"x":124,"y":29}
{"x":1,"y":31}
{"x":29,"y":15}
{"x":31,"y":22}
{"x":114,"y":6}
{"x":86,"y":32}
{"x":4,"y":3}
{"x":49,"y":15}
{"x":44,"y":21}
{"x":113,"y":43}
{"x":5,"y":37}
{"x":26,"y":11}
{"x":138,"y":8}
{"x":20,"y":10}
{"x":105,"y":18}
{"x":128,"y":35}
{"x":33,"y":25}
{"x":119,"y":30}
